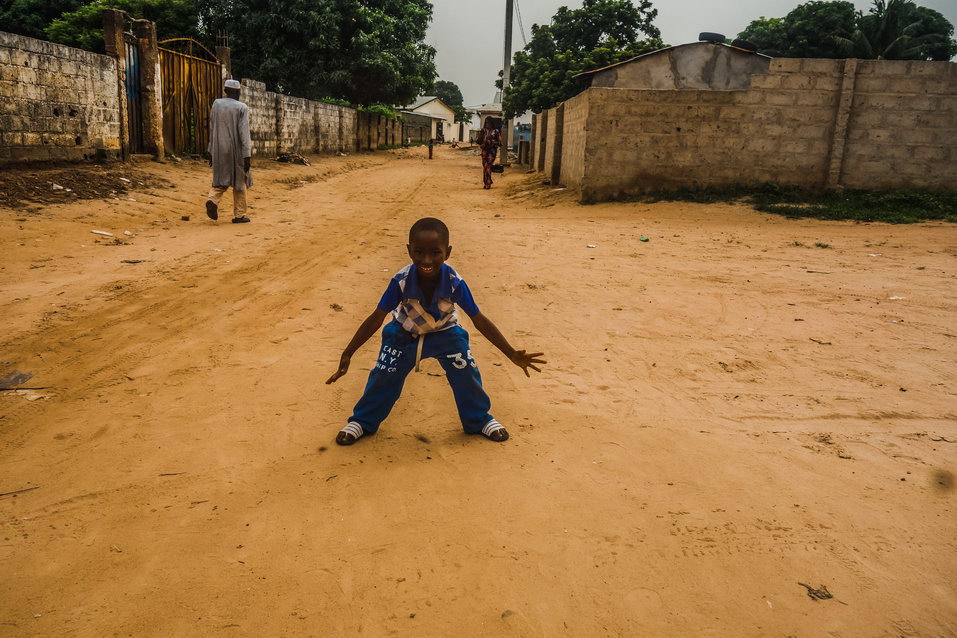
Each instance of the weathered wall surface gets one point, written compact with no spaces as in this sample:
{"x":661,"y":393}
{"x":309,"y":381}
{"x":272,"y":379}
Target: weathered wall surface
{"x":903,"y":125}
{"x":575,"y":125}
{"x":56,"y":102}
{"x":60,"y":103}
{"x":899,"y":130}
{"x":285,"y":124}
{"x":263,"y":116}
{"x":699,"y":65}
{"x":548,"y":142}
{"x":539,"y":142}
{"x":416,"y":128}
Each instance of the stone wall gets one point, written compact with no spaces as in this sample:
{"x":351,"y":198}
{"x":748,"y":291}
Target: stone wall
{"x":60,"y":103}
{"x":575,"y":122}
{"x":902,"y":129}
{"x":548,"y":142}
{"x":696,"y":65}
{"x":56,"y":102}
{"x":285,"y":124}
{"x":416,"y":128}
{"x":808,"y":122}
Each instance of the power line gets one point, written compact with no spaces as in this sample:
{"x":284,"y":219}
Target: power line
{"x":521,"y":27}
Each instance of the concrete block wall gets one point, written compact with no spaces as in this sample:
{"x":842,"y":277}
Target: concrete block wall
{"x":903,"y":126}
{"x":416,"y":128}
{"x":285,"y":124}
{"x":539,"y":142}
{"x":899,"y":130}
{"x":56,"y":102}
{"x":548,"y":142}
{"x":327,"y":125}
{"x":347,"y":127}
{"x":61,"y":103}
{"x":296,"y":128}
{"x":263,"y":116}
{"x":574,"y":134}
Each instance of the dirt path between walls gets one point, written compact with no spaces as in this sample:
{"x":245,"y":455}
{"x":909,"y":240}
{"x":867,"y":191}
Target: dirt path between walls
{"x":728,"y":411}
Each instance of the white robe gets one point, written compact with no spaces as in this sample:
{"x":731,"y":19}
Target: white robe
{"x":229,"y":143}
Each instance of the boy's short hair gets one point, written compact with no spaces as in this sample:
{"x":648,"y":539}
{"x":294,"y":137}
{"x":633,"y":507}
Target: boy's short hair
{"x":430,"y":224}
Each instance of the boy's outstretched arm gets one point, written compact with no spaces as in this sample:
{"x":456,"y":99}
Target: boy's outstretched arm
{"x":366,"y":329}
{"x":522,"y":359}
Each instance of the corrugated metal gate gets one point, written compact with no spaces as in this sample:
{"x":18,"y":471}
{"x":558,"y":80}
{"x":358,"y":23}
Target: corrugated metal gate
{"x":134,"y":106}
{"x":190,"y":85}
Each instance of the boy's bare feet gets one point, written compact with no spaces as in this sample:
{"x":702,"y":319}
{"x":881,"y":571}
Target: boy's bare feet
{"x":495,"y":431}
{"x":349,"y":434}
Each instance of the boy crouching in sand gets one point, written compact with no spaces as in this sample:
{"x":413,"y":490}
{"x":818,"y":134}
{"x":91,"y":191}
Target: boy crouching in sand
{"x":422,"y":299}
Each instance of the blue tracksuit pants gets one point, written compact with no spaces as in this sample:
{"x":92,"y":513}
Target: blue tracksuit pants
{"x":397,"y":358}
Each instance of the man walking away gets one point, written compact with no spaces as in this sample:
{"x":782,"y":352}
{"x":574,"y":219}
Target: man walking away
{"x":229,"y":152}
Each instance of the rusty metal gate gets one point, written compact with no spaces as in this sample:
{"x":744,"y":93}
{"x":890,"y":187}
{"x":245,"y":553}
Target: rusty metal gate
{"x":134,"y":103}
{"x":190,"y":85}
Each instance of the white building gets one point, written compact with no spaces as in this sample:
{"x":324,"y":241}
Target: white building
{"x":444,"y":126}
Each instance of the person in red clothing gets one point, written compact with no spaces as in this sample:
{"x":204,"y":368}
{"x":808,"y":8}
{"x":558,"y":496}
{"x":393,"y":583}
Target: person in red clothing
{"x":489,"y":140}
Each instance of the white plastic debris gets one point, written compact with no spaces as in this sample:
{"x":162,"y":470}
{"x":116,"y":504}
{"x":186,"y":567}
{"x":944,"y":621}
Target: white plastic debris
{"x":57,"y":187}
{"x":592,"y":245}
{"x":127,"y":233}
{"x":895,"y":298}
{"x":101,"y":232}
{"x":123,"y":179}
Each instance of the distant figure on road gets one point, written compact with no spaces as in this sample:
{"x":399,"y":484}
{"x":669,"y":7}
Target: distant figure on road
{"x":489,"y":140}
{"x":229,"y":152}
{"x":422,"y":299}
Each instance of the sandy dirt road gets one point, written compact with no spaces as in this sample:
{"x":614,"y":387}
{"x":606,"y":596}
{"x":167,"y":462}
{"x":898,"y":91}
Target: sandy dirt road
{"x":727,"y":411}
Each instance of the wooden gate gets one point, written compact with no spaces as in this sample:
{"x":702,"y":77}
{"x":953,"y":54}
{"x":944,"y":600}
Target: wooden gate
{"x":192,"y":80}
{"x":134,"y":106}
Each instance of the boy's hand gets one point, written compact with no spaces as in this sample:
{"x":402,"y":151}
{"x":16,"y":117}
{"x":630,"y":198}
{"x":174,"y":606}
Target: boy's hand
{"x":526,"y":360}
{"x":343,"y":368}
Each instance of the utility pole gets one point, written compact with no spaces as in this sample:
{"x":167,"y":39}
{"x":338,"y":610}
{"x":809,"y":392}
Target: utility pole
{"x":506,"y":72}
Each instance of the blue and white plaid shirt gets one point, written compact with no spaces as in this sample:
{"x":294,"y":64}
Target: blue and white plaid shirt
{"x":404,"y":298}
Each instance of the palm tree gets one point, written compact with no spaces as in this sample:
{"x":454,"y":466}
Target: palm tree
{"x":899,"y":30}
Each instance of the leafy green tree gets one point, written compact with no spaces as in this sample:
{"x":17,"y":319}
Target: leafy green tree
{"x":600,"y":33}
{"x":892,"y":29}
{"x":448,"y":92}
{"x":83,"y":27}
{"x":364,"y":51}
{"x":462,"y":114}
{"x":812,"y":29}
{"x":31,"y":17}
{"x":901,"y":30}
{"x":767,"y":34}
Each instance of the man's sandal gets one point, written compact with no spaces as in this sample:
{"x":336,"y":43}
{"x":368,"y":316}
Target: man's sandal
{"x":241,"y":220}
{"x":212,"y":210}
{"x":495,"y":431}
{"x":349,"y":434}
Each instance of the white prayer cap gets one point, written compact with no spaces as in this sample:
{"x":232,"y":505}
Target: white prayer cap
{"x":232,"y":84}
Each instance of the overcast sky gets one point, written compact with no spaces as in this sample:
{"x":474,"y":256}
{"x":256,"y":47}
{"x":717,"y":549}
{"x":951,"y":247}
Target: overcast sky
{"x":470,"y":43}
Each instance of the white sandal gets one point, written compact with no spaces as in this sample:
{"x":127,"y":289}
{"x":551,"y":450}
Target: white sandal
{"x":494,"y":426}
{"x":354,"y":430}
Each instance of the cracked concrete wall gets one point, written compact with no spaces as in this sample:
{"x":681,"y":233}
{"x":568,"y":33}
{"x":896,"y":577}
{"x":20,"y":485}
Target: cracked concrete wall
{"x":700,"y":65}
{"x":56,"y":102}
{"x":812,"y":123}
{"x":285,"y":124}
